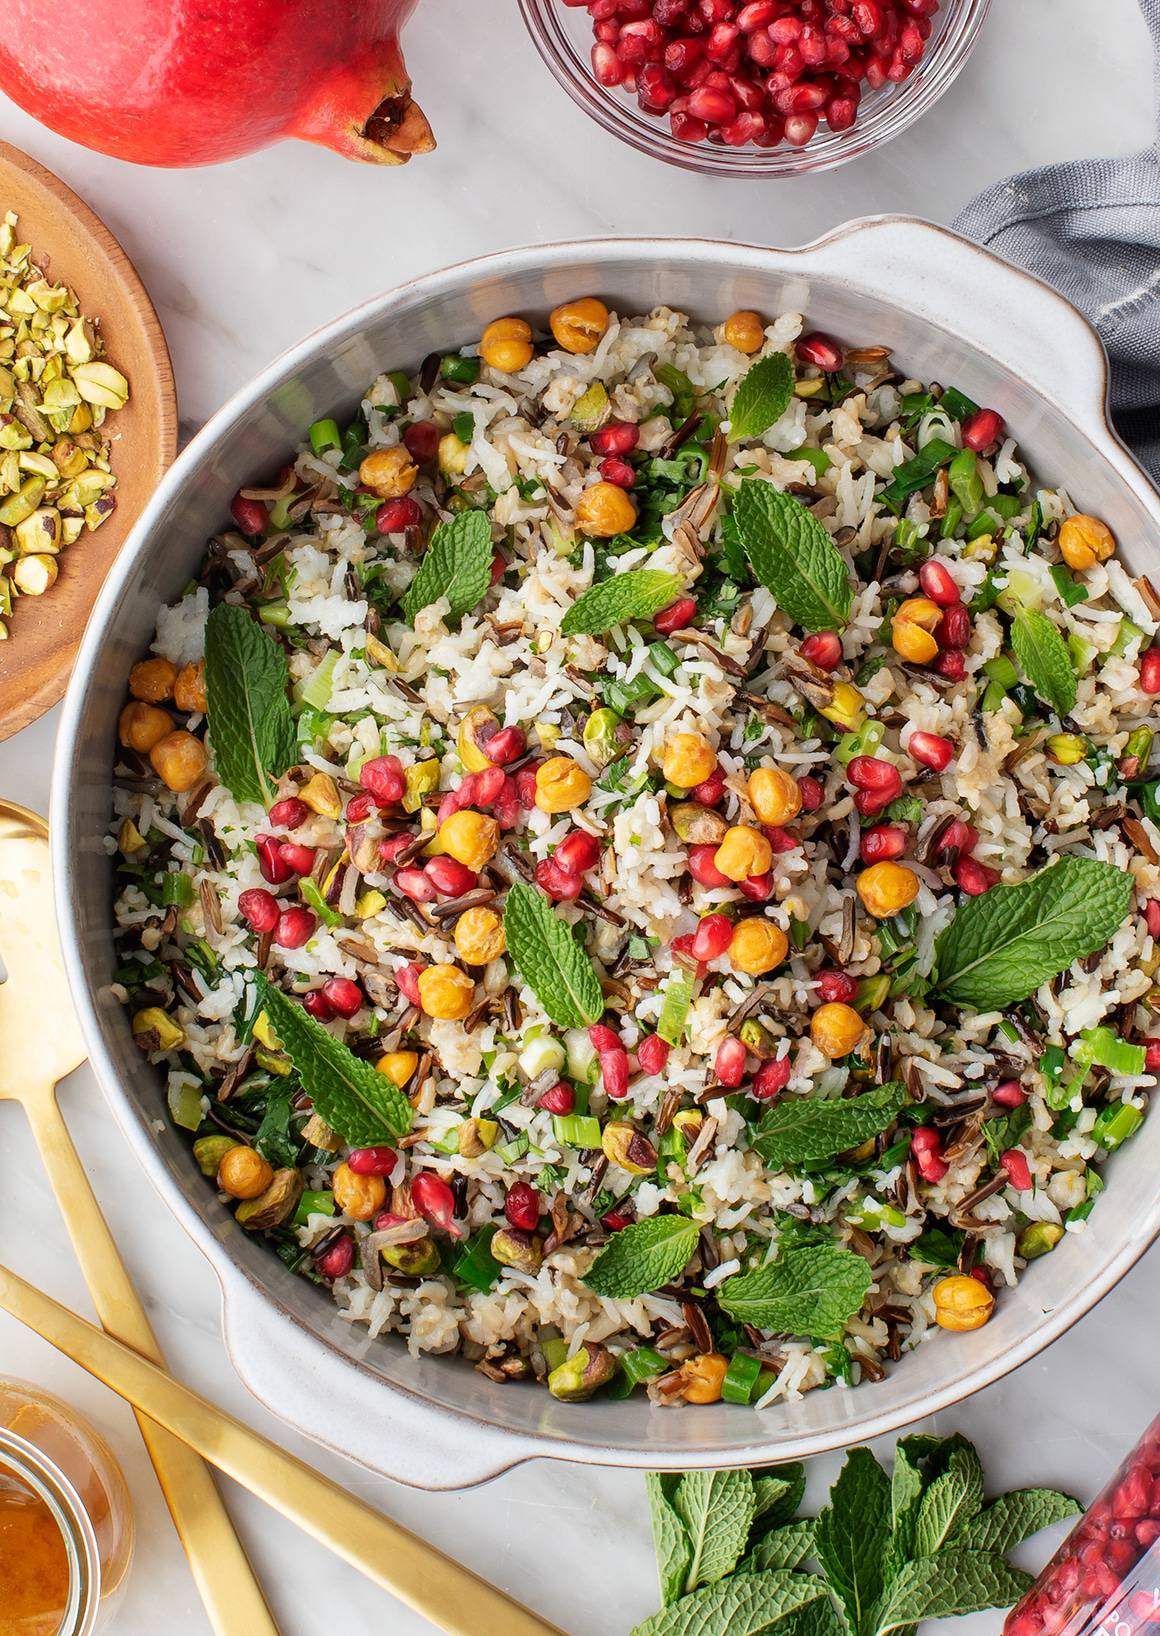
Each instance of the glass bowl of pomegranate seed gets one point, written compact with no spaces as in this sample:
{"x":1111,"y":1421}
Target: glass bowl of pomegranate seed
{"x":755,"y":87}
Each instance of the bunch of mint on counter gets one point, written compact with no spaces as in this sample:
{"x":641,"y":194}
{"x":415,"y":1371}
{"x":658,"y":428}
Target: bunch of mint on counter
{"x":735,"y":1559}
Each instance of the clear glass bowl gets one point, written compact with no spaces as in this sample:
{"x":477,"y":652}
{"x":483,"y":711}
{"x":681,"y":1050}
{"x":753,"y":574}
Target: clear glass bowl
{"x":563,"y":37}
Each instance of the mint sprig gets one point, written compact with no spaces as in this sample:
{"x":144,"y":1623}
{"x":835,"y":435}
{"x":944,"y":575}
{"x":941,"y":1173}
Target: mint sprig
{"x":793,"y":556}
{"x":803,"y":1130}
{"x":455,"y":565}
{"x":643,"y":1256}
{"x":1001,"y":945}
{"x":1044,"y":659}
{"x":362,"y":1105}
{"x":638,"y":594}
{"x":251,"y":730}
{"x":550,"y":960}
{"x":810,"y":1291}
{"x":860,"y":1555}
{"x":762,"y":397}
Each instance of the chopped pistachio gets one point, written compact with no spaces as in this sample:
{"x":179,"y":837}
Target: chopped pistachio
{"x":33,"y":576}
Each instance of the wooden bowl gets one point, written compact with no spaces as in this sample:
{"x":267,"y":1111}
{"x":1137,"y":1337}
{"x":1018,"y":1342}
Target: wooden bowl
{"x":76,"y":248}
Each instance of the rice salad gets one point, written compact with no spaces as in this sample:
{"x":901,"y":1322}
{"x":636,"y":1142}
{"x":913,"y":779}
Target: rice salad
{"x":638,"y":859}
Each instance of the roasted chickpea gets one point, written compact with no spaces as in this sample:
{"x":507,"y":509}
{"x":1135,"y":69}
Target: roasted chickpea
{"x":837,"y":1029}
{"x":359,"y":1197}
{"x":445,"y":992}
{"x":152,"y":680}
{"x":453,"y":454}
{"x":743,"y":852}
{"x":744,"y":330}
{"x":471,"y":838}
{"x":579,"y":326}
{"x":757,"y":946}
{"x":244,"y":1174}
{"x":189,"y":688}
{"x":1084,"y":541}
{"x":775,"y":795}
{"x":911,"y":629}
{"x":320,"y":794}
{"x":962,"y":1303}
{"x":604,"y":510}
{"x":388,"y":473}
{"x":479,"y":936}
{"x":507,"y":345}
{"x":398,"y":1066}
{"x":887,"y":888}
{"x":561,"y":785}
{"x":703,"y":1377}
{"x":846,"y":708}
{"x":141,"y":726}
{"x":179,"y":760}
{"x":688,"y":760}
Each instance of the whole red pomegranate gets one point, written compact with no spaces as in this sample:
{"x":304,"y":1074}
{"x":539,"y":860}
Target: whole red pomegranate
{"x":193,"y":82}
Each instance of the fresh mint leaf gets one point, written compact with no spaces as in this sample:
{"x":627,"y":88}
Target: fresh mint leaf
{"x":716,"y":1508}
{"x":674,"y":1552}
{"x":953,"y":1498}
{"x":361,"y":1104}
{"x":778,"y":1491}
{"x":549,"y":959}
{"x":743,"y":1605}
{"x":455,"y":565}
{"x":806,"y":1129}
{"x":1014,"y":1517}
{"x":786,"y":1547}
{"x":643,"y":1256}
{"x":793,"y":555}
{"x":1044,"y":659}
{"x":852,"y":1536}
{"x":251,"y":729}
{"x":812,"y":1291}
{"x":762,"y":397}
{"x":638,"y":594}
{"x":1000,"y":946}
{"x":906,"y":1486}
{"x":274,"y":1137}
{"x":939,"y":1587}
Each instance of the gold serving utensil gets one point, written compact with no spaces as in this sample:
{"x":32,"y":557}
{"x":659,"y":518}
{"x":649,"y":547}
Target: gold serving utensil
{"x":42,"y":1043}
{"x":442,"y":1590}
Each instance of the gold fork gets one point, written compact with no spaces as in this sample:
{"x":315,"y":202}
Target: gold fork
{"x":42,"y":1043}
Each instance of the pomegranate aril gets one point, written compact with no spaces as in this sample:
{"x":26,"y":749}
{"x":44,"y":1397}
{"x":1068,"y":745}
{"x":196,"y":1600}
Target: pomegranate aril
{"x":316,"y":1005}
{"x":617,"y":471}
{"x":771,"y":1079}
{"x":729,"y":1063}
{"x":712,"y":937}
{"x":758,"y":888}
{"x":681,"y":57}
{"x":435,"y":1201}
{"x":578,"y":852}
{"x":836,"y":987}
{"x":872,"y":773}
{"x":272,"y":864}
{"x":821,"y":351}
{"x":618,"y":437}
{"x":606,"y":65}
{"x":883,"y":842}
{"x":951,"y":664}
{"x":295,"y":927}
{"x":757,"y":14}
{"x":703,"y":869}
{"x":823,"y":649}
{"x":614,"y":1073}
{"x":676,"y":617}
{"x":298,"y":859}
{"x":522,"y":1206}
{"x":652,"y":1054}
{"x":711,"y":792}
{"x":954,"y":628}
{"x":1150,"y":671}
{"x":259,"y":908}
{"x":398,"y":515}
{"x":558,"y":1099}
{"x":562,"y":885}
{"x":1014,"y":1162}
{"x":506,"y":746}
{"x":421,"y":440}
{"x":985,"y":426}
{"x":721,"y":40}
{"x":711,"y":105}
{"x":250,"y":516}
{"x":1152,"y":1056}
{"x":841,"y":112}
{"x":384,"y":778}
{"x":344,"y":996}
{"x":336,"y":1260}
{"x":288,"y":814}
{"x":931,"y":750}
{"x":938,"y":583}
{"x":1009,"y":1094}
{"x":407,"y":978}
{"x":813,"y":793}
{"x":958,"y":837}
{"x":372,"y":1161}
{"x":687,"y":129}
{"x":973,"y":877}
{"x":415,"y":884}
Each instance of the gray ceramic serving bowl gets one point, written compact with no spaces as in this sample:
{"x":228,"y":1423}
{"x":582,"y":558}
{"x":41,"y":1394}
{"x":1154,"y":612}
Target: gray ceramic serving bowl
{"x":950,"y":312}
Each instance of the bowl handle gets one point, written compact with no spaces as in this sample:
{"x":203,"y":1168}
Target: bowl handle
{"x":325,"y":1396}
{"x":1028,"y":328}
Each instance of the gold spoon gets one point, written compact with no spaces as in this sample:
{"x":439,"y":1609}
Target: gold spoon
{"x":42,"y":1043}
{"x":444,"y":1591}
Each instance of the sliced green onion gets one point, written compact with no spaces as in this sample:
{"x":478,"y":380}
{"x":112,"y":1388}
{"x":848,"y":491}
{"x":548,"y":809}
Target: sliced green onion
{"x":642,"y":1363}
{"x":1051,"y":1065}
{"x":313,"y":1204}
{"x":956,"y":404}
{"x":915,"y":474}
{"x":966,"y":484}
{"x":1066,"y":585}
{"x":511,"y":1152}
{"x":681,"y":388}
{"x":464,"y":371}
{"x":1125,"y":636}
{"x":674,"y":1011}
{"x":741,"y":1377}
{"x":865,"y":742}
{"x":1115,"y":1125}
{"x":576,"y":1130}
{"x":176,"y":891}
{"x":1082,"y":653}
{"x":312,"y":896}
{"x":952,"y":519}
{"x":663,"y":657}
{"x":315,"y":691}
{"x":324,"y":435}
{"x":1005,"y":506}
{"x":985,"y":523}
{"x":555,"y":1350}
{"x":274,"y":613}
{"x":185,"y":1104}
{"x":464,"y":427}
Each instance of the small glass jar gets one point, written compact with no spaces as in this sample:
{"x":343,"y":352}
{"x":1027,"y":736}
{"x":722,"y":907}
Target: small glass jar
{"x":1105,"y":1577}
{"x":66,"y":1520}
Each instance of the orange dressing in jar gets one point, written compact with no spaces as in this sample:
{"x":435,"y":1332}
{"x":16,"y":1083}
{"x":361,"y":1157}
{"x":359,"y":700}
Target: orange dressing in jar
{"x":66,"y":1522}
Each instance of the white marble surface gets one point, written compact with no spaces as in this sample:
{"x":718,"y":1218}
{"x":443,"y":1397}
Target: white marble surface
{"x":242,"y":260}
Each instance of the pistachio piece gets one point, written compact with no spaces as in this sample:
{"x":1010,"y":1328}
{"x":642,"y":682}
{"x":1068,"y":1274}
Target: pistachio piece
{"x":209,"y":1151}
{"x":418,"y":1260}
{"x":477,"y":1136}
{"x":688,"y":1121}
{"x":582,"y":1374}
{"x":101,"y":384}
{"x":623,"y":1145}
{"x":591,"y":409}
{"x":319,"y":1134}
{"x":695,"y":824}
{"x":606,"y":735}
{"x":39,"y":533}
{"x":1038,"y":1238}
{"x":154,"y":1030}
{"x":276,"y":1205}
{"x":515,"y":1247}
{"x":34,"y":575}
{"x":422,"y":778}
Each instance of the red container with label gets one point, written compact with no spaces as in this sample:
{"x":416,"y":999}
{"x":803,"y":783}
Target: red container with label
{"x":1105,"y":1578}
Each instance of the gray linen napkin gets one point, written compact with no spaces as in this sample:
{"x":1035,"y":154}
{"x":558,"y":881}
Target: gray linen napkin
{"x":1091,"y":228}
